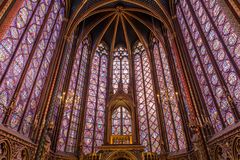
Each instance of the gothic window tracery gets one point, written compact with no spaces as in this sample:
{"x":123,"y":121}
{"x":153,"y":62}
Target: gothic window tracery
{"x":168,"y":99}
{"x":71,"y":115}
{"x":147,"y":112}
{"x":212,"y":43}
{"x":96,"y":101}
{"x":120,"y":68}
{"x":26,"y":51}
{"x":121,"y":121}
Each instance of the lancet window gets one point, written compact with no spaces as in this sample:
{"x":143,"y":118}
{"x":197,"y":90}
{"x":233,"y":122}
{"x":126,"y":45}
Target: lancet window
{"x":96,"y":101}
{"x":120,"y":68}
{"x":26,"y":52}
{"x":213,"y":45}
{"x":146,"y":104}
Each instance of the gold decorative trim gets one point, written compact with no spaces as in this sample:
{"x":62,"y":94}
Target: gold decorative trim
{"x":4,"y":9}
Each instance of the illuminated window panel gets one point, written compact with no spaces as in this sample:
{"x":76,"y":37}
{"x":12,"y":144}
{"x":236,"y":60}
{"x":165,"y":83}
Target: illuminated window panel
{"x":147,"y":113}
{"x":173,"y":122}
{"x":96,"y":101}
{"x":121,"y":121}
{"x":15,"y":32}
{"x":212,"y":90}
{"x":37,"y":25}
{"x":67,"y":140}
{"x":60,"y":93}
{"x":120,"y":68}
{"x":231,"y":40}
{"x":22,"y":52}
{"x":36,"y":74}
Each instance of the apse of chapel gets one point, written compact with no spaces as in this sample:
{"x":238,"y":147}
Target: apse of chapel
{"x":119,"y":79}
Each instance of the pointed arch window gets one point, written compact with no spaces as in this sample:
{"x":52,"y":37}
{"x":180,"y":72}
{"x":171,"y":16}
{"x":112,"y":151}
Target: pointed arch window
{"x":120,"y":68}
{"x":213,"y":46}
{"x":168,"y":99}
{"x":71,"y":115}
{"x":147,"y":112}
{"x":96,"y":101}
{"x":121,"y":121}
{"x":26,"y":51}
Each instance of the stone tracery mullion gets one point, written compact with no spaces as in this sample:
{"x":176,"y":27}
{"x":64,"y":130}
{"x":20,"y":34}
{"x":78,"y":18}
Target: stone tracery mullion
{"x":208,"y":66}
{"x":30,"y":7}
{"x":202,"y":76}
{"x":229,"y":71}
{"x":24,"y":55}
{"x":165,"y":98}
{"x":212,"y":47}
{"x":41,"y":67}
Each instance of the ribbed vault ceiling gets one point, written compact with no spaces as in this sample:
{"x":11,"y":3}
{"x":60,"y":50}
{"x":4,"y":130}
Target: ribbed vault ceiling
{"x":119,"y":22}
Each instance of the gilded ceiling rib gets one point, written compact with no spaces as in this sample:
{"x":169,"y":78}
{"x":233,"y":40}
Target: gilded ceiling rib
{"x":74,"y":15}
{"x":158,"y":35}
{"x":142,"y":11}
{"x":90,"y":27}
{"x":140,"y":37}
{"x":94,"y":24}
{"x":164,"y":16}
{"x":100,"y":11}
{"x":163,"y":9}
{"x":114,"y":35}
{"x":67,"y":8}
{"x":99,"y":38}
{"x":75,"y":21}
{"x":126,"y":36}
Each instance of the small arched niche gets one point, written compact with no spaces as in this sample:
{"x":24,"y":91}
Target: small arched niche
{"x":121,"y":127}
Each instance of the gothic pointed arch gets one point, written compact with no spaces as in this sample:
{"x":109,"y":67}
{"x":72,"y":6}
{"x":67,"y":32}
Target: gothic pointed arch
{"x":121,"y":117}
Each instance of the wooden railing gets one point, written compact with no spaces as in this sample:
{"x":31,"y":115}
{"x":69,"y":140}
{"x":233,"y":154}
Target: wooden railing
{"x":121,"y":139}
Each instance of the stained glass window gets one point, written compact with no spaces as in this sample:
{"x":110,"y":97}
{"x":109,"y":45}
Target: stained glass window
{"x":26,"y":51}
{"x":172,"y":118}
{"x":179,"y":73}
{"x":213,"y":47}
{"x":147,"y":113}
{"x":71,"y":115}
{"x":120,"y":68}
{"x":60,"y":91}
{"x":96,"y":101}
{"x":121,"y":121}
